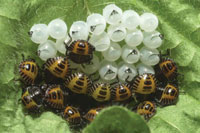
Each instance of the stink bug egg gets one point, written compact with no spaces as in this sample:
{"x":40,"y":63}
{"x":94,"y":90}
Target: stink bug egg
{"x":116,"y":32}
{"x":91,"y":67}
{"x":47,"y":50}
{"x":149,"y":22}
{"x":130,"y":55}
{"x":113,"y":53}
{"x":57,"y":29}
{"x":112,"y":14}
{"x":149,"y":56}
{"x":96,"y":23}
{"x":79,"y":30}
{"x":130,"y":19}
{"x":126,"y":71}
{"x":152,"y":39}
{"x":108,"y":70}
{"x":134,"y":38}
{"x":142,"y":69}
{"x":39,"y":33}
{"x":100,"y":42}
{"x":60,"y":44}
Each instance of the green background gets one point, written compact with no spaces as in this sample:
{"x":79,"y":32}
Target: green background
{"x":179,"y":21}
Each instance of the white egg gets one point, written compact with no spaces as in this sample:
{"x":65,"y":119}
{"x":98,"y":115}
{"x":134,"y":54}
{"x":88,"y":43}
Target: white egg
{"x":96,"y":23}
{"x":57,"y":29}
{"x":134,"y":38}
{"x":60,"y":44}
{"x":100,"y":42}
{"x":79,"y":30}
{"x":47,"y":50}
{"x":112,"y":14}
{"x":92,"y":67}
{"x":149,"y":56}
{"x":108,"y":70}
{"x":116,"y":33}
{"x":113,"y":53}
{"x":142,"y":69}
{"x":152,"y":39}
{"x":149,"y":22}
{"x":126,"y":72}
{"x":39,"y":33}
{"x":130,"y":19}
{"x":130,"y":54}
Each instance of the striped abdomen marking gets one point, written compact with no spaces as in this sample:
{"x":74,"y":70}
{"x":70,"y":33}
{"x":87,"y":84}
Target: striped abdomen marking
{"x":144,"y":84}
{"x":168,"y":68}
{"x":78,"y":83}
{"x":54,"y":97}
{"x":81,"y":47}
{"x":121,"y":92}
{"x":29,"y":103}
{"x":92,"y":113}
{"x":28,"y":71}
{"x":146,"y":109}
{"x":58,"y":66}
{"x":169,"y":95}
{"x":72,"y":115}
{"x":100,"y":92}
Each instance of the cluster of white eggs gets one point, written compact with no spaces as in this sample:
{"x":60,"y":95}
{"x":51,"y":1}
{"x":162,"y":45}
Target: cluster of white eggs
{"x":105,"y":32}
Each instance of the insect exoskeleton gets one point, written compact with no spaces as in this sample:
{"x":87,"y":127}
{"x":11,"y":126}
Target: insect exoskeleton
{"x":166,"y":70}
{"x":80,"y":51}
{"x":101,"y":92}
{"x":28,"y":70}
{"x":32,"y":98}
{"x":144,"y":87}
{"x":92,"y":113}
{"x":121,"y":92}
{"x":58,"y":67}
{"x":72,"y":115}
{"x":167,"y":95}
{"x":78,"y":83}
{"x":54,"y":96}
{"x":146,"y":109}
{"x":144,"y":84}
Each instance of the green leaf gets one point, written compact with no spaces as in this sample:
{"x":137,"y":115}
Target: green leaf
{"x":8,"y":66}
{"x":181,"y":118}
{"x":8,"y":31}
{"x":47,"y":122}
{"x":192,"y":71}
{"x":178,"y":21}
{"x":12,"y":9}
{"x":193,"y":89}
{"x":117,"y":119}
{"x":183,"y":54}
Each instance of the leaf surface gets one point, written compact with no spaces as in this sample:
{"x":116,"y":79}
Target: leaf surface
{"x":179,"y":21}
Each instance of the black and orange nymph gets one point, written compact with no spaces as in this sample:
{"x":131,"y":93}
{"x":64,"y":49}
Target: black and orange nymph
{"x":78,"y":83}
{"x":29,"y":71}
{"x":167,"y":95}
{"x":54,"y":96}
{"x":121,"y":92}
{"x":144,"y":84}
{"x":166,"y":70}
{"x":144,"y":87}
{"x":101,"y":92}
{"x":31,"y":98}
{"x":72,"y":115}
{"x":146,"y":109}
{"x":80,"y":51}
{"x":57,"y":68}
{"x":92,"y":113}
